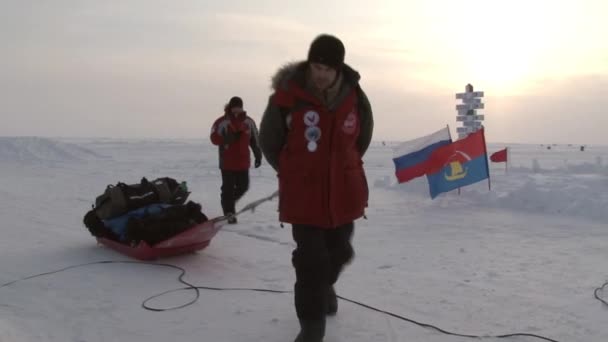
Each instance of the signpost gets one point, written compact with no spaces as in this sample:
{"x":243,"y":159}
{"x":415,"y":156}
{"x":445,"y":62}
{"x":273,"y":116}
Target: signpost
{"x":467,"y":111}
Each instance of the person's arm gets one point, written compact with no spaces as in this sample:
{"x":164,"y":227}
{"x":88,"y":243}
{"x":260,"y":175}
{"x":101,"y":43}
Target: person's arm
{"x":367,"y":122}
{"x":221,"y":135}
{"x":253,"y":143}
{"x":273,"y":133}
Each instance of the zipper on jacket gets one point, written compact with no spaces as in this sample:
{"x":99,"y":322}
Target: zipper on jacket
{"x":332,"y":118}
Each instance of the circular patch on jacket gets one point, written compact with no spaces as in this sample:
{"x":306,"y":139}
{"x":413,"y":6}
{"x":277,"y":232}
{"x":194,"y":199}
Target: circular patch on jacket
{"x":350,"y":123}
{"x":312,"y":146}
{"x":311,"y":118}
{"x":313,"y":133}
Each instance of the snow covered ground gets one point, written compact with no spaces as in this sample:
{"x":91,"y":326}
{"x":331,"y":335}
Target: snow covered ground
{"x":523,"y":257}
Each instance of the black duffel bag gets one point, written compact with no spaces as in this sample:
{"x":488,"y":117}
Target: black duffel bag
{"x":121,"y":198}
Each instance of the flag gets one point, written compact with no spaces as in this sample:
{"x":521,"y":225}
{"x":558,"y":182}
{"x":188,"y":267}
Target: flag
{"x":411,"y":157}
{"x":458,"y":164}
{"x":499,"y":156}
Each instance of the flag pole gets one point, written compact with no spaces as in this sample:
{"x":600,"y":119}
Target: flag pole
{"x":483,"y":136}
{"x":507,"y":161}
{"x":449,"y":133}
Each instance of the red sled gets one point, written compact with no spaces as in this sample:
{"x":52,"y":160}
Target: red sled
{"x":188,"y":241}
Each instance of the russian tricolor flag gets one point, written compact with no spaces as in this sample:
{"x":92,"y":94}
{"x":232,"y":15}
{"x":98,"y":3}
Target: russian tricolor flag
{"x":411,"y":158}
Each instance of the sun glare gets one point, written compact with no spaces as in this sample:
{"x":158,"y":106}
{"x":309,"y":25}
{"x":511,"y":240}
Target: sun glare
{"x":507,"y":46}
{"x":503,"y":46}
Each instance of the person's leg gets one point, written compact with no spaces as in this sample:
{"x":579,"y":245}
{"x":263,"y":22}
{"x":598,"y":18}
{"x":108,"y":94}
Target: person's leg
{"x":312,"y":265}
{"x":341,"y":252}
{"x":227,"y":195}
{"x":241,"y":184}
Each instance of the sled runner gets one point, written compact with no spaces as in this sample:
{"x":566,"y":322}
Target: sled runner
{"x":193,"y":239}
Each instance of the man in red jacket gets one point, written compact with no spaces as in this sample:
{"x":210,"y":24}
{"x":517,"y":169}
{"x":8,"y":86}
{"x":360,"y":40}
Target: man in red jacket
{"x":234,"y":133}
{"x":314,"y":132}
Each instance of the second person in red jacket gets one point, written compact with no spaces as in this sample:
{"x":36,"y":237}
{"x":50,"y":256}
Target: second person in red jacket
{"x":234,"y":133}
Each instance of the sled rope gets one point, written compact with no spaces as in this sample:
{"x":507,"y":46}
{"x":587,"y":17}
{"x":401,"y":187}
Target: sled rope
{"x":598,"y":290}
{"x":196,"y":289}
{"x":249,"y":207}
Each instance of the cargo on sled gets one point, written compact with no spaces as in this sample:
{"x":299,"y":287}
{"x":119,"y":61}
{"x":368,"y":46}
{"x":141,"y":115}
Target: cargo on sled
{"x":150,"y":220}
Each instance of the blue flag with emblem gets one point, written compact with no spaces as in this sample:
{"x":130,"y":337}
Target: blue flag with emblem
{"x":458,"y":164}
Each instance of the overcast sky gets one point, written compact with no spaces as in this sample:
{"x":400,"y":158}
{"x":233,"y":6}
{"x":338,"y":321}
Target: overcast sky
{"x":164,"y":69}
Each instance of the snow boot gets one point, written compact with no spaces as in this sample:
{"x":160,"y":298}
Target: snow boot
{"x":231,"y":218}
{"x":332,"y":302}
{"x":311,"y":331}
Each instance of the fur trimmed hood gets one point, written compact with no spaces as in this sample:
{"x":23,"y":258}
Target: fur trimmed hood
{"x":297,"y":71}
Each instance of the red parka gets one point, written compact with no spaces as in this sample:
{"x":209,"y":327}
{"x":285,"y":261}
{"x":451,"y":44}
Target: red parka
{"x":317,"y":150}
{"x":234,"y":155}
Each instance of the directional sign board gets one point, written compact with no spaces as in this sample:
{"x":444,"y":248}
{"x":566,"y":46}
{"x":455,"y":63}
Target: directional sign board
{"x":475,"y":124}
{"x":467,"y":111}
{"x":471,"y":100}
{"x":469,"y":95}
{"x":466,"y":129}
{"x":467,"y":106}
{"x":469,"y":118}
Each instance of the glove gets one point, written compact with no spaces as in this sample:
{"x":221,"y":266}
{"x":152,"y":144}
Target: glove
{"x":257,"y":163}
{"x":230,"y":137}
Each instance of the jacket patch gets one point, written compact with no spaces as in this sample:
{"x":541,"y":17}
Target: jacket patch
{"x":312,"y":134}
{"x":311,"y":118}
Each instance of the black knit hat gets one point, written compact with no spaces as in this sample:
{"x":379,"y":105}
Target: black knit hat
{"x":327,"y":50}
{"x":235,"y":102}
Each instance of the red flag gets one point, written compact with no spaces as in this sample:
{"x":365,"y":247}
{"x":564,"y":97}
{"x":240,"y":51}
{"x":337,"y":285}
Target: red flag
{"x":471,"y":147}
{"x":499,"y":156}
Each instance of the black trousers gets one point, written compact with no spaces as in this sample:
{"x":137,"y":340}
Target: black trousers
{"x":234,"y":185}
{"x":318,"y":259}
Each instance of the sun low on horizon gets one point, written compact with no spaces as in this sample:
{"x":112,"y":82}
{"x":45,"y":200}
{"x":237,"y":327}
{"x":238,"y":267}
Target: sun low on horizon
{"x":508,"y":47}
{"x":109,"y":61}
